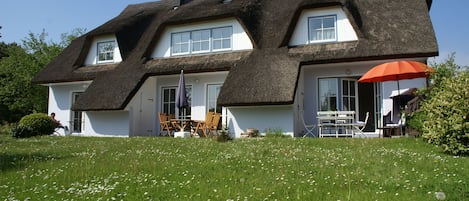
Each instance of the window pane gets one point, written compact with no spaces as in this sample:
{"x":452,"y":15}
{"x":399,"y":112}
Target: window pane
{"x":185,"y":37}
{"x":315,"y":24}
{"x":316,"y":35}
{"x":352,"y":88}
{"x":216,"y":44}
{"x":185,"y":47}
{"x":329,"y":22}
{"x":328,"y":94}
{"x":205,"y":45}
{"x":329,"y":34}
{"x":226,"y":44}
{"x":213,"y":90}
{"x":345,"y":87}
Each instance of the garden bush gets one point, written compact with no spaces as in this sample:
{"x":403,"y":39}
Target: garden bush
{"x":33,"y":125}
{"x":21,"y":131}
{"x":447,"y":114}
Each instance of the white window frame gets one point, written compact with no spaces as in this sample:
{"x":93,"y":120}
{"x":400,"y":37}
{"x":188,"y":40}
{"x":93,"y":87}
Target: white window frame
{"x":106,"y":52}
{"x":190,"y":42}
{"x":76,"y":117}
{"x":222,"y":39}
{"x":213,"y":100}
{"x":172,"y":103}
{"x":338,"y":92}
{"x":180,"y":43}
{"x":200,"y":41}
{"x":322,"y":29}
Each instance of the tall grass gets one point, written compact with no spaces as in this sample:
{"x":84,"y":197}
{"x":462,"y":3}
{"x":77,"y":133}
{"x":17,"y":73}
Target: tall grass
{"x":75,"y":168}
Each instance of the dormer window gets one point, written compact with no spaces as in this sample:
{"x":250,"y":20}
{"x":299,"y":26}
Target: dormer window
{"x":106,"y":51}
{"x":322,"y":28}
{"x":201,"y":41}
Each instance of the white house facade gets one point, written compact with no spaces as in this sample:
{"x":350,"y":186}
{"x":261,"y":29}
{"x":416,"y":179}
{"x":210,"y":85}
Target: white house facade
{"x":270,"y":65}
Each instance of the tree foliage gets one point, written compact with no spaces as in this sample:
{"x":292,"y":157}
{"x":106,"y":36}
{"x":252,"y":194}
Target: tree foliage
{"x":445,"y":111}
{"x":18,"y":65}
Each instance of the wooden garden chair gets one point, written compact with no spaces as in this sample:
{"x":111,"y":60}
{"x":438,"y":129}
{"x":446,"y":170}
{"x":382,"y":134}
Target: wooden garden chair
{"x":213,"y":126}
{"x":165,"y":124}
{"x":202,"y":125}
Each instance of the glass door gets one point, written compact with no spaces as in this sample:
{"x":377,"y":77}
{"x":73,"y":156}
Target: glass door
{"x":349,"y":94}
{"x":338,"y":94}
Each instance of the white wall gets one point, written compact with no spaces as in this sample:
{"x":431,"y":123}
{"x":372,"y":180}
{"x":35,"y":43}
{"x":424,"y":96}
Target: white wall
{"x":345,"y":31}
{"x":92,"y":57}
{"x":60,"y":100}
{"x":262,"y":118}
{"x":142,"y":110}
{"x":106,"y":123}
{"x":240,"y":40}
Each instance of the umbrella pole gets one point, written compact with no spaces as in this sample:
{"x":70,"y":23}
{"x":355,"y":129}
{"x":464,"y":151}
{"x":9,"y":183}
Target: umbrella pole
{"x":400,"y":109}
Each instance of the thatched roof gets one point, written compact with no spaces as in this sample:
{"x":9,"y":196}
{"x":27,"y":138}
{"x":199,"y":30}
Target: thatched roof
{"x":266,"y":75}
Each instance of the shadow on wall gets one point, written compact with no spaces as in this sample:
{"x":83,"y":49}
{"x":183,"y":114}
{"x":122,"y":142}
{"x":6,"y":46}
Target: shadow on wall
{"x":112,"y":123}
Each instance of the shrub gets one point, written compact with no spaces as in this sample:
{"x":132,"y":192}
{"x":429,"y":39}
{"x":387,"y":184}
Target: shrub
{"x":276,"y":133}
{"x":40,"y":123}
{"x":415,"y":120}
{"x":21,"y":131}
{"x":447,"y":114}
{"x":224,"y":136}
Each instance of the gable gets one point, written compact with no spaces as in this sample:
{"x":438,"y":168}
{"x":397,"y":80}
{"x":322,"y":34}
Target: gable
{"x":93,"y":56}
{"x":344,"y":31}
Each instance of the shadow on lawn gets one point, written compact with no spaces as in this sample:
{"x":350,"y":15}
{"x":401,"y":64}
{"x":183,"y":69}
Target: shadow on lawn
{"x":20,"y":161}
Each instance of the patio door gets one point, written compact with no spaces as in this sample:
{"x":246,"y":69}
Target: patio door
{"x":337,"y":94}
{"x":168,"y":101}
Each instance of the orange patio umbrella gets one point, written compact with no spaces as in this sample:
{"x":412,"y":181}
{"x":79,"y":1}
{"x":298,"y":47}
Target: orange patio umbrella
{"x":395,"y":71}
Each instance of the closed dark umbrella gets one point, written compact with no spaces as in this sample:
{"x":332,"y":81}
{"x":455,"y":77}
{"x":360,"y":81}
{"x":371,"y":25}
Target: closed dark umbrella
{"x":181,"y":97}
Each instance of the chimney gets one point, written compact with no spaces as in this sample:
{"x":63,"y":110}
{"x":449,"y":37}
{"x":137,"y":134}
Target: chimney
{"x":177,"y":3}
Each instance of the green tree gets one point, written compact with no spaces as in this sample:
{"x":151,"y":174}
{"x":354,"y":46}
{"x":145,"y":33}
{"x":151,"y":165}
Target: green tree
{"x":445,"y":112}
{"x":18,"y":96}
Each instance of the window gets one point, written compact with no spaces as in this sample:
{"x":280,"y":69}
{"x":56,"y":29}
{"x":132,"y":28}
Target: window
{"x":169,"y":100}
{"x":222,"y":38}
{"x":180,"y":43}
{"x":212,"y":95}
{"x":337,"y":94}
{"x":77,"y":116}
{"x":328,"y":94}
{"x":322,"y":29}
{"x":106,"y":51}
{"x":201,"y":41}
{"x":168,"y":103}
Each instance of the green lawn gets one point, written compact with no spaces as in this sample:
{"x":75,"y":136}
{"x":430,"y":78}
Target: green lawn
{"x":78,"y":168}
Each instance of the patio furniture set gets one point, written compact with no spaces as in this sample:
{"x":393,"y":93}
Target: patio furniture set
{"x":185,"y":127}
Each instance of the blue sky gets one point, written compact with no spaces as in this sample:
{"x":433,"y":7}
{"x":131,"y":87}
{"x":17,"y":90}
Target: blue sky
{"x":19,"y":17}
